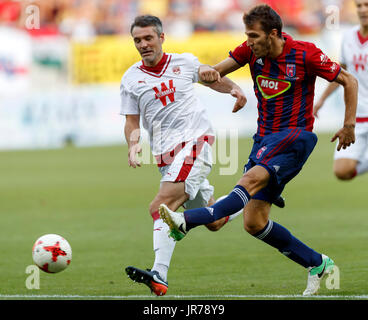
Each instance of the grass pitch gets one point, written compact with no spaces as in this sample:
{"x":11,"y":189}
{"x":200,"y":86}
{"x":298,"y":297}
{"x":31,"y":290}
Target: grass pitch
{"x":100,"y":205}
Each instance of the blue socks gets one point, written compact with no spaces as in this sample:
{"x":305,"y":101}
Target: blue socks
{"x":273,"y":234}
{"x":234,"y":202}
{"x":280,"y":238}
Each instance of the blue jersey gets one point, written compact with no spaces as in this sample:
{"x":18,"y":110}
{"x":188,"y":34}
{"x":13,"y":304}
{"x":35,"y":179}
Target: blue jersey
{"x":284,"y":86}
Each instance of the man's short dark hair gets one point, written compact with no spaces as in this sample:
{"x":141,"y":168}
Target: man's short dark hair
{"x":266,"y":16}
{"x":147,"y":21}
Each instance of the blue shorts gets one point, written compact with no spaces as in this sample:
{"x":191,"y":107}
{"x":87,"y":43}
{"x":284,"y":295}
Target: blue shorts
{"x":283,"y":154}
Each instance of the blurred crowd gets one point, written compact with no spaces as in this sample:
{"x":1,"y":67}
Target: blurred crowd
{"x":86,"y":18}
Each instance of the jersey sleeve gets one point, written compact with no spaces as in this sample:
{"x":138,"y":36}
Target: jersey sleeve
{"x":321,"y":65}
{"x":129,"y":102}
{"x":241,"y":54}
{"x":193,"y":63}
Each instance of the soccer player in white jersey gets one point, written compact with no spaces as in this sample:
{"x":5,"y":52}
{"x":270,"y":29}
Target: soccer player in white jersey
{"x":159,"y":91}
{"x":353,"y":161}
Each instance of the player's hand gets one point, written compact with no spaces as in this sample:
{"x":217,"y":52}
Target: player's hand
{"x":346,"y":137}
{"x":132,"y":155}
{"x":208,"y":74}
{"x":316,"y":108}
{"x":241,"y":100}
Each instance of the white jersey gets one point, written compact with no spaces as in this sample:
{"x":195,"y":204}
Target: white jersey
{"x":354,"y":54}
{"x":164,"y":97}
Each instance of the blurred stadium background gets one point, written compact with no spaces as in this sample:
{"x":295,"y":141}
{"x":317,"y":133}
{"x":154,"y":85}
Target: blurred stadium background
{"x":61,"y":61}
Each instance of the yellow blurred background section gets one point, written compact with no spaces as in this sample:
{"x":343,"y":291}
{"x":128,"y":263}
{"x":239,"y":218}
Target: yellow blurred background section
{"x":107,"y":58}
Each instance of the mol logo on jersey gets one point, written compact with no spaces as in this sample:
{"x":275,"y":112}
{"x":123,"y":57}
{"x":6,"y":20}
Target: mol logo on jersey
{"x":270,"y":87}
{"x":165,"y":92}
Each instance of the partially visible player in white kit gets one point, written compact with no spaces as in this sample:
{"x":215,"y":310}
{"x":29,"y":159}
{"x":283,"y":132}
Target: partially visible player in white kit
{"x":353,"y":161}
{"x":159,"y":91}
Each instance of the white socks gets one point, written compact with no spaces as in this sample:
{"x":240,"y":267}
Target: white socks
{"x":163,"y":245}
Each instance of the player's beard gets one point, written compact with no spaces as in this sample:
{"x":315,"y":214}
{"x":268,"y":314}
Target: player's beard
{"x":268,"y":45}
{"x":264,"y":48}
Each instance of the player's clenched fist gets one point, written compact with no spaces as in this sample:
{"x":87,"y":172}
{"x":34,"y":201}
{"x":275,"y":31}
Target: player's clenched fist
{"x":132,"y":155}
{"x":208,"y":74}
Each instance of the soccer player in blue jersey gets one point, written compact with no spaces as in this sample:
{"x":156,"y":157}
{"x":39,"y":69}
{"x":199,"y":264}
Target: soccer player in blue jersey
{"x":284,"y":72}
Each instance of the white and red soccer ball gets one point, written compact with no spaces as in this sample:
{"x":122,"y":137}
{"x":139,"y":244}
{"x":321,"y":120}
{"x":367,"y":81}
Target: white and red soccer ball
{"x":52,"y":253}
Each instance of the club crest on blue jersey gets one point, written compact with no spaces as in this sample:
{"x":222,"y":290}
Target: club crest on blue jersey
{"x":261,"y":151}
{"x":291,"y":70}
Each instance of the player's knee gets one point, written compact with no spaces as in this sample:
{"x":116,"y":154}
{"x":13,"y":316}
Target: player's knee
{"x":344,"y":173}
{"x":345,"y":169}
{"x":255,"y":179}
{"x":252,"y":227}
{"x":251,"y":178}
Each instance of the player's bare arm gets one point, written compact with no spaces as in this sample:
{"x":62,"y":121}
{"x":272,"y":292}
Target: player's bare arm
{"x":328,"y":91}
{"x":346,"y":134}
{"x":132,"y":136}
{"x":227,"y":66}
{"x":228,"y":86}
{"x":223,"y":85}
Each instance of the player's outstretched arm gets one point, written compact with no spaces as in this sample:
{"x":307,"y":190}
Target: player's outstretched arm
{"x":346,"y":134}
{"x":211,"y":78}
{"x":225,"y":85}
{"x":328,"y":91}
{"x":132,"y":135}
{"x":226,"y":66}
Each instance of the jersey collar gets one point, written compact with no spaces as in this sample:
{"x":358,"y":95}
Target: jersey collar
{"x":158,"y":67}
{"x":362,"y":39}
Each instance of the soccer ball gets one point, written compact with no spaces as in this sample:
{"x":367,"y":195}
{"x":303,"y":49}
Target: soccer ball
{"x":52,"y":253}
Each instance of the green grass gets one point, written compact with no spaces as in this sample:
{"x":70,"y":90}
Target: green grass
{"x":100,"y":206}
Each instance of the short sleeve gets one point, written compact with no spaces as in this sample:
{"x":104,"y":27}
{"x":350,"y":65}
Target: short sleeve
{"x":129,"y":102}
{"x":193,"y":63}
{"x":241,"y":54}
{"x":320,"y":64}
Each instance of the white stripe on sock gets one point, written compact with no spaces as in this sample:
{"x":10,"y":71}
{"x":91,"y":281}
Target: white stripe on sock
{"x":267,"y":231}
{"x":242,"y":196}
